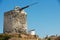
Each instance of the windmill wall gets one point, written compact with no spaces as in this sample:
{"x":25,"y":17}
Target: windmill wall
{"x":15,"y":22}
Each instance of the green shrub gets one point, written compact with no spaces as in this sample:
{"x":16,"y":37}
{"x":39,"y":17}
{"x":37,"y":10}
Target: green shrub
{"x":4,"y":37}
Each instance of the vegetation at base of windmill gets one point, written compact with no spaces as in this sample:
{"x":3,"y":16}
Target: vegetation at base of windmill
{"x":4,"y":37}
{"x":19,"y":36}
{"x":49,"y":38}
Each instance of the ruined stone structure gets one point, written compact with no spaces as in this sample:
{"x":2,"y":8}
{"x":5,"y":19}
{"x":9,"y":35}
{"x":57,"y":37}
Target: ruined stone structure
{"x":15,"y":21}
{"x":15,"y":25}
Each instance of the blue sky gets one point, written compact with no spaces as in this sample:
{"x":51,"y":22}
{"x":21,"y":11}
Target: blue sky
{"x":43,"y":17}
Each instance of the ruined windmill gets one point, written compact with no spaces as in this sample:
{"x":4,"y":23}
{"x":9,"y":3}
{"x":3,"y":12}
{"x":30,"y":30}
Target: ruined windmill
{"x":15,"y":20}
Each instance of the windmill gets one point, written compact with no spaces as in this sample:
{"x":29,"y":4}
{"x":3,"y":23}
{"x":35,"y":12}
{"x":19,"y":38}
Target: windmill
{"x":15,"y":20}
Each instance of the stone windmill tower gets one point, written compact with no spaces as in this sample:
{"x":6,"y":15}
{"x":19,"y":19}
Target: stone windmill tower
{"x":15,"y":21}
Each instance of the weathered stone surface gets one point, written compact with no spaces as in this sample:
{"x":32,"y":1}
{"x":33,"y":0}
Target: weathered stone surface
{"x":15,"y":22}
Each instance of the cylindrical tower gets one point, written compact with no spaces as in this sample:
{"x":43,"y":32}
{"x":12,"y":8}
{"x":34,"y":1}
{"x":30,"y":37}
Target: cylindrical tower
{"x":15,"y":21}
